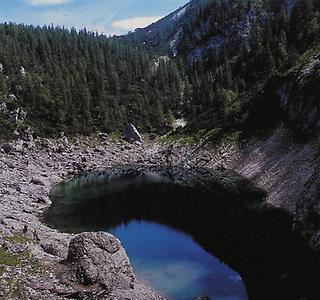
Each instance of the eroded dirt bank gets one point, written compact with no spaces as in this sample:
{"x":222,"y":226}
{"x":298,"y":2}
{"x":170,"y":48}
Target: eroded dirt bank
{"x":31,"y":253}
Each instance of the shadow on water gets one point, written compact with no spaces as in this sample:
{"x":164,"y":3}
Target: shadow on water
{"x":251,"y":238}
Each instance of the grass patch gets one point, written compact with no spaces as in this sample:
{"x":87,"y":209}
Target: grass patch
{"x":15,"y":287}
{"x":9,"y":262}
{"x":18,"y":238}
{"x":214,"y":137}
{"x":115,"y":136}
{"x":182,"y":139}
{"x":8,"y":259}
{"x":191,"y":138}
{"x":233,"y":137}
{"x":15,"y":290}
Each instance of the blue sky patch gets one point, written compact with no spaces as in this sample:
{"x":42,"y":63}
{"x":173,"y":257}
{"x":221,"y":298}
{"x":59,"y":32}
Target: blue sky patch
{"x":105,"y":16}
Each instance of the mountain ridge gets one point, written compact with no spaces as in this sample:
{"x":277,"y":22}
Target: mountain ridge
{"x":166,"y":39}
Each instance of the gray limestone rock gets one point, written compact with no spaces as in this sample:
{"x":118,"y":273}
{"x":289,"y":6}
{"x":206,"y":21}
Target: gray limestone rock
{"x":8,"y":148}
{"x":37,"y":181}
{"x":22,"y":72}
{"x":12,"y":98}
{"x":131,"y":134}
{"x":99,"y":259}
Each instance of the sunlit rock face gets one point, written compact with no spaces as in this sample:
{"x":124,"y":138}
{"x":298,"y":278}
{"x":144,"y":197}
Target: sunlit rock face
{"x":98,"y":258}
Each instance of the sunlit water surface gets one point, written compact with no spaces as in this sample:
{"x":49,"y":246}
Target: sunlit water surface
{"x":176,"y":266}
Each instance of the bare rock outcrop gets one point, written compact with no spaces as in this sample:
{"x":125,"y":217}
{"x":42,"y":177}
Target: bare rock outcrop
{"x":307,"y":214}
{"x":30,"y":168}
{"x":97,"y":267}
{"x":22,"y":72}
{"x":131,"y":134}
{"x":99,"y":259}
{"x":7,"y":148}
{"x":299,"y":94}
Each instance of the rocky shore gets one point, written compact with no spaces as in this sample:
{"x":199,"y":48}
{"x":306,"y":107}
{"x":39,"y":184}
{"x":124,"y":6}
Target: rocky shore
{"x":37,"y":262}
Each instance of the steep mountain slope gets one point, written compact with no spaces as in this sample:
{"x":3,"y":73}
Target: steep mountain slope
{"x":234,"y":52}
{"x":257,"y":64}
{"x":204,"y":25}
{"x":236,"y":68}
{"x":299,"y":98}
{"x":300,"y":92}
{"x":228,"y":53}
{"x":163,"y":36}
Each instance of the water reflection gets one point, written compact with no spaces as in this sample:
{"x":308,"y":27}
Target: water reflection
{"x":254,"y":240}
{"x":174,"y":264}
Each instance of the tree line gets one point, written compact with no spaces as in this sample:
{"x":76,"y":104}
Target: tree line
{"x":83,"y":82}
{"x":258,"y":40}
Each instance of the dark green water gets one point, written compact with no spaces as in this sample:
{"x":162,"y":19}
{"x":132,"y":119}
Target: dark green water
{"x":187,"y":243}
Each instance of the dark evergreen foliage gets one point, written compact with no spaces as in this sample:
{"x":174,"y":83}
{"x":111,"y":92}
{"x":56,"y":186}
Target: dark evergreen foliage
{"x":82,"y":82}
{"x":259,"y":41}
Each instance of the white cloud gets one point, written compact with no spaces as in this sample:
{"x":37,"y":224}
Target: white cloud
{"x":78,"y":18}
{"x":136,"y":22}
{"x":47,"y":2}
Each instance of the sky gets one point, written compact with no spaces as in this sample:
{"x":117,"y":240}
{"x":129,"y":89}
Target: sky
{"x":104,"y":16}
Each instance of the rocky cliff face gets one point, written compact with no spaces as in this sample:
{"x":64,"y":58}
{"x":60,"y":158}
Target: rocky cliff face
{"x":295,"y":170}
{"x":162,"y":37}
{"x":199,"y":29}
{"x":300,"y":92}
{"x":299,"y":98}
{"x":307,"y":216}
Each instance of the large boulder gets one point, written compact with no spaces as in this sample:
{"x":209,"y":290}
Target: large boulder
{"x":22,"y":72}
{"x":102,"y":136}
{"x":27,"y":134}
{"x":8,"y":148}
{"x":131,"y":134}
{"x":12,"y":98}
{"x":3,"y":108}
{"x":1,"y":68}
{"x":98,"y":259}
{"x":97,"y":267}
{"x":17,"y":116}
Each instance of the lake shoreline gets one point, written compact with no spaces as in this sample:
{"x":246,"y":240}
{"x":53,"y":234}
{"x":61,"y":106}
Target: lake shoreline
{"x":29,"y":173}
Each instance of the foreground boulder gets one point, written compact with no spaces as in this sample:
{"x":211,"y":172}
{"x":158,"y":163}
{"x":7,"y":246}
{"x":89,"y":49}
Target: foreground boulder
{"x":8,"y":148}
{"x":97,"y":267}
{"x":99,"y":259}
{"x":131,"y":134}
